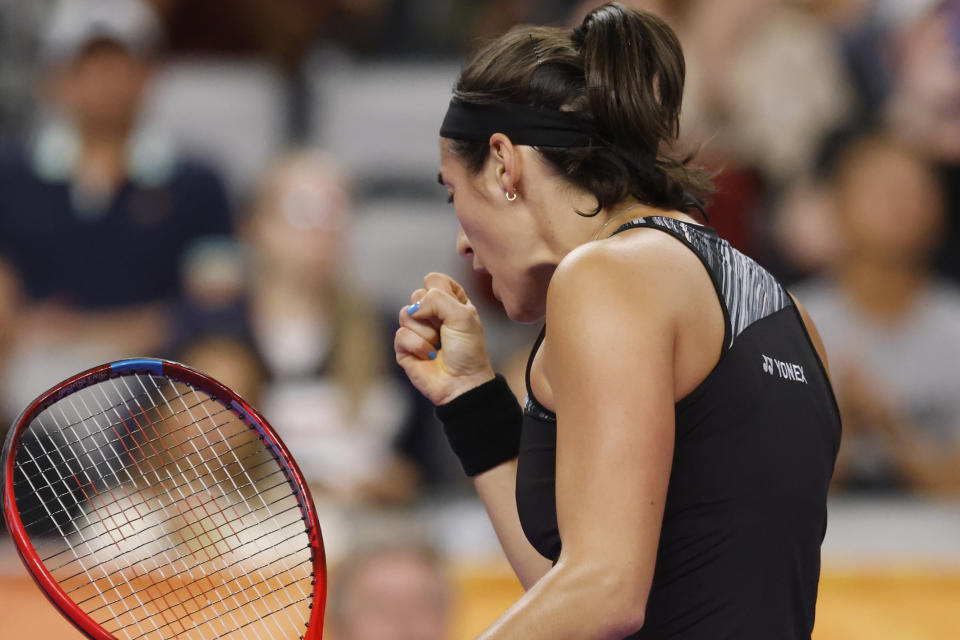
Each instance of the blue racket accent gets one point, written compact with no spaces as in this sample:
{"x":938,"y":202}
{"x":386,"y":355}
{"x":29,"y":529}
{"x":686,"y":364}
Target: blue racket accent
{"x":266,"y":437}
{"x":152,"y":365}
{"x":246,"y":416}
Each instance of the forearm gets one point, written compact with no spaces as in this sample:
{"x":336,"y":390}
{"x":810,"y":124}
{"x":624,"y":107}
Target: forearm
{"x":483,"y":428}
{"x":572,"y":602}
{"x":497,"y":491}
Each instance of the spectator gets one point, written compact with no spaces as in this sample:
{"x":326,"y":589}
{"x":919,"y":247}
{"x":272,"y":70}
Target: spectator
{"x":396,"y":592}
{"x":95,"y":212}
{"x":324,"y":348}
{"x":923,"y":107}
{"x":891,"y":328}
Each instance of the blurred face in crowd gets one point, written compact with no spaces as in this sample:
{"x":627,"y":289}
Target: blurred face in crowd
{"x":393,"y":596}
{"x":101,"y":88}
{"x":889,"y":203}
{"x":299,"y":226}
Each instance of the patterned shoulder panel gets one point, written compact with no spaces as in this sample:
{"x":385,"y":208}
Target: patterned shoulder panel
{"x":749,"y":291}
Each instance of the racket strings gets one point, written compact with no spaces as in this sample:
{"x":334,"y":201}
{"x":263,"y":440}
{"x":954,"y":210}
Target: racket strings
{"x":82,"y":422}
{"x":181,"y":445}
{"x":233,"y":453}
{"x":259,"y":479}
{"x":117,"y":457}
{"x":278,"y":586}
{"x":161,"y":457}
{"x":178,"y":574}
{"x":157,"y":524}
{"x":134,"y":505}
{"x":179,"y":396}
{"x":126,"y":468}
{"x":83,"y":538}
{"x":214,"y":588}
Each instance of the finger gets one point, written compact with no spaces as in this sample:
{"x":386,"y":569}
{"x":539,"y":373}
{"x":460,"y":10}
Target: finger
{"x":440,"y":308}
{"x":444,"y":282}
{"x":416,"y":295}
{"x":407,"y":342}
{"x":422,"y":327}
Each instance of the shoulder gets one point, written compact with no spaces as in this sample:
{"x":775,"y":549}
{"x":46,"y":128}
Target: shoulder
{"x":629,"y":270}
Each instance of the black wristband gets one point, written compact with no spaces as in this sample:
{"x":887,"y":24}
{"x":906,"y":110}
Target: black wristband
{"x":483,"y":425}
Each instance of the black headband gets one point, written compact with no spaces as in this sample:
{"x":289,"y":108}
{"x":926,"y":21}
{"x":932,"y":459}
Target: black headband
{"x":533,"y":126}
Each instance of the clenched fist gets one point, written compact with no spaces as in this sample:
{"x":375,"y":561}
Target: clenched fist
{"x":440,"y":342}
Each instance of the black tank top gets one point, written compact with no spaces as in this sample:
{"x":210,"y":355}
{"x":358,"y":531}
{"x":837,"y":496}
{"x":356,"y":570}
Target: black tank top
{"x":739,"y":550}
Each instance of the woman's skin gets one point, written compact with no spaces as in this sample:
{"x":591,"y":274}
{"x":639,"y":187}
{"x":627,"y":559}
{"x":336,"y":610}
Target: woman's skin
{"x":633,"y":325}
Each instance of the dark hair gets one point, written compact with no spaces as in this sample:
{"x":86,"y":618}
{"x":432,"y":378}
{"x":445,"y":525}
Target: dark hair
{"x":622,"y":72}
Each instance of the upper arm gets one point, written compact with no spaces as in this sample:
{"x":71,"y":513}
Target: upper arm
{"x":609,"y":359}
{"x":813,"y":333}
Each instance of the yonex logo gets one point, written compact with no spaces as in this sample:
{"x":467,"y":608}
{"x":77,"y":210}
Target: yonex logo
{"x":786,"y":370}
{"x":768,"y":364}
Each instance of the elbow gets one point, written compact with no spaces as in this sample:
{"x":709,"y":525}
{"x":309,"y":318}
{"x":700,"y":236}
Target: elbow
{"x":618,"y":598}
{"x":627,"y":619}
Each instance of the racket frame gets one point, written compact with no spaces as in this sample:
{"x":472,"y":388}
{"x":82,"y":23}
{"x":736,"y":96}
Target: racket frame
{"x":182,"y":373}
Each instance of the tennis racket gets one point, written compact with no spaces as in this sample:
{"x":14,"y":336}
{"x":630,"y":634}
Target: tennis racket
{"x":149,"y":501}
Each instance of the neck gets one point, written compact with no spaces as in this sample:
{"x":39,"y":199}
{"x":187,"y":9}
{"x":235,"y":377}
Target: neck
{"x":885,"y":290}
{"x":626,"y":212}
{"x":102,"y":159}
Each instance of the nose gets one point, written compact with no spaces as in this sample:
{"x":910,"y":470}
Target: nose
{"x":463,"y":245}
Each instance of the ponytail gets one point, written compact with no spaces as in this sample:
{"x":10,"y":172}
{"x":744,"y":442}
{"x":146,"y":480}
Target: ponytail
{"x":634,"y":72}
{"x":621,"y":72}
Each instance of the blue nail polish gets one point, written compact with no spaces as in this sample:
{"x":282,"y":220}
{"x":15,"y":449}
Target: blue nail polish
{"x":432,"y":355}
{"x":437,"y":345}
{"x":414,"y":307}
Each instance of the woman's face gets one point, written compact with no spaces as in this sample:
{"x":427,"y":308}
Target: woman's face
{"x":503,"y":238}
{"x":299,"y":228}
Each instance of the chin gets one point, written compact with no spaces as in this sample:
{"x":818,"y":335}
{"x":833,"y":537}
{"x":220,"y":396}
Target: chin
{"x":523,"y":313}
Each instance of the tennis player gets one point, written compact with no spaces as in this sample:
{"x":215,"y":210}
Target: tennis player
{"x":668,"y":475}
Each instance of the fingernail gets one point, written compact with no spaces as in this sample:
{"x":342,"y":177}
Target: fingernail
{"x":432,"y":355}
{"x":414,"y":307}
{"x":437,"y":345}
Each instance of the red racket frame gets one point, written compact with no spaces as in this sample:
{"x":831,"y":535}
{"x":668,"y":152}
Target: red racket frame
{"x":51,"y":589}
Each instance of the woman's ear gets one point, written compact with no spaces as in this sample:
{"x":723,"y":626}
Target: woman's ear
{"x":506,"y":164}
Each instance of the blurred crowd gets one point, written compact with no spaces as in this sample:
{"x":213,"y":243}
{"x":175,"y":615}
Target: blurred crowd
{"x":248,"y":190}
